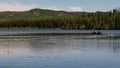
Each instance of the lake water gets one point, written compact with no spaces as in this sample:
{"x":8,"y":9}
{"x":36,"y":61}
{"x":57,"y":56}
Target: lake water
{"x":52,"y":49}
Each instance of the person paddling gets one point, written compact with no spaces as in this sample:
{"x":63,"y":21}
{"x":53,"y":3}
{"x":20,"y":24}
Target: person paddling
{"x":94,"y":32}
{"x":99,"y":33}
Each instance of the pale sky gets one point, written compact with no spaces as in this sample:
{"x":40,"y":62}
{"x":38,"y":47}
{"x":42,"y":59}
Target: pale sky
{"x":66,"y":5}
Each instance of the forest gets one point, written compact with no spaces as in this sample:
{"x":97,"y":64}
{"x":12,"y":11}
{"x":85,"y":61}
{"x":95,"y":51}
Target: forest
{"x":49,"y":19}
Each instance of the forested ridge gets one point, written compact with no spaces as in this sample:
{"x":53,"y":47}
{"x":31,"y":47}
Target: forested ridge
{"x":49,"y":19}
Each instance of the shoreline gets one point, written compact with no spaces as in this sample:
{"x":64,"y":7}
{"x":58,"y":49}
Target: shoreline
{"x":49,"y":29}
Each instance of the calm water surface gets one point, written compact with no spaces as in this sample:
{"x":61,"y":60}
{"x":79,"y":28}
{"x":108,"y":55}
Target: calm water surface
{"x":21,"y":49}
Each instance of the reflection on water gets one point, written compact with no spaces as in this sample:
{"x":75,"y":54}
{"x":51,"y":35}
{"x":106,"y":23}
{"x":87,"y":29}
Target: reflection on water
{"x":60,"y":51}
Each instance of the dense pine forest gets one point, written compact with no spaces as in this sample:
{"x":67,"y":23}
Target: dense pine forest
{"x":49,"y":19}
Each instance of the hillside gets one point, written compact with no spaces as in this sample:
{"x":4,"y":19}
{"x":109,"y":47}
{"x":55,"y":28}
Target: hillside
{"x":41,"y":18}
{"x":35,"y":13}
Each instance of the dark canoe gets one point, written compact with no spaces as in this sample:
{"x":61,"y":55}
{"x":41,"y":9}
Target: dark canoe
{"x":98,"y":33}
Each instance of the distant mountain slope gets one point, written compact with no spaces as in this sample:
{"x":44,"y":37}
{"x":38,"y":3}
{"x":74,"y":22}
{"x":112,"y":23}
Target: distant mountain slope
{"x":50,"y":19}
{"x":35,"y":13}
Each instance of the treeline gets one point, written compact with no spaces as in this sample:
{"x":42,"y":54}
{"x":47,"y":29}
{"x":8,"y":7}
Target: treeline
{"x":83,"y":20}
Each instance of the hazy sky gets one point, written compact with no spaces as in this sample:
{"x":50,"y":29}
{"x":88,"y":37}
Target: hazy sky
{"x":67,"y":5}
